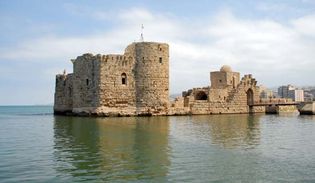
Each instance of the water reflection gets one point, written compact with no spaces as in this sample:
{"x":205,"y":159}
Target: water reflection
{"x":231,"y":130}
{"x":109,"y":149}
{"x":307,"y":117}
{"x":112,"y":148}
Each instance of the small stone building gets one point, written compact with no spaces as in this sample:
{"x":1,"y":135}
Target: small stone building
{"x":227,"y":94}
{"x":134,"y":83}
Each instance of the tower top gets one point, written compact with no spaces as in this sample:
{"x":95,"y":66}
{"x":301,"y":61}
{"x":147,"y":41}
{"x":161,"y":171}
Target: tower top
{"x":225,"y":68}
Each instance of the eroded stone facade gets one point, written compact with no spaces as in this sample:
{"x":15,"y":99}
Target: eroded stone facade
{"x":227,"y":94}
{"x":134,"y":83}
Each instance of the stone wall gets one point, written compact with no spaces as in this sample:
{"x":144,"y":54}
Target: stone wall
{"x":86,"y":81}
{"x":152,"y":76}
{"x":287,"y":109}
{"x":63,"y":93}
{"x":224,"y":96}
{"x":307,"y":108}
{"x":278,"y":109}
{"x":219,"y":95}
{"x":136,"y":82}
{"x":117,"y":87}
{"x":220,"y":80}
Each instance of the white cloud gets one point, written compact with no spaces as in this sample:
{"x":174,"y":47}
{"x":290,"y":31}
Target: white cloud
{"x":305,"y":25}
{"x":268,"y":49}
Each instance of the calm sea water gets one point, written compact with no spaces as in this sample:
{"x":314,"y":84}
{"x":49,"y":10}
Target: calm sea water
{"x":36,"y":146}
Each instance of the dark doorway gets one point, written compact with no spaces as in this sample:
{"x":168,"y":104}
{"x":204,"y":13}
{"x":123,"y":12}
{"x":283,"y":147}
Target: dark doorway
{"x":201,"y":95}
{"x":250,"y":97}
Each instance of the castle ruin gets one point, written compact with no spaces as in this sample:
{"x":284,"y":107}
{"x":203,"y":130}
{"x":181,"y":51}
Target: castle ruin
{"x":227,"y":94}
{"x":137,"y":83}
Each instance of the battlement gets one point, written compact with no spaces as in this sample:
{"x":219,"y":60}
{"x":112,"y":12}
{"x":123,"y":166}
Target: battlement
{"x":136,"y":81}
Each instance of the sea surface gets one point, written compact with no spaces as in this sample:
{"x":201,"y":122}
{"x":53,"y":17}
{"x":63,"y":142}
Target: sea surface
{"x":36,"y":146}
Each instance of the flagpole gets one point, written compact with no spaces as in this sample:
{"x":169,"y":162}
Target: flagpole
{"x":142,"y":27}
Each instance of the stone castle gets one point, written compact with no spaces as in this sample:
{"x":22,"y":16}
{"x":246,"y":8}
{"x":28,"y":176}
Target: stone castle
{"x":137,"y":83}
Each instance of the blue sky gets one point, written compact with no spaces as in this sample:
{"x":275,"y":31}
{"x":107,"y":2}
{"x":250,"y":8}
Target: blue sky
{"x":273,"y":40}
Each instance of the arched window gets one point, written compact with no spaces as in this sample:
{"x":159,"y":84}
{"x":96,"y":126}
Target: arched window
{"x":201,"y":95}
{"x":123,"y":78}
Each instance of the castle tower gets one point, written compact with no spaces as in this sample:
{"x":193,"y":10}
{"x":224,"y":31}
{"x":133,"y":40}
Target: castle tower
{"x":152,"y":75}
{"x":224,"y":78}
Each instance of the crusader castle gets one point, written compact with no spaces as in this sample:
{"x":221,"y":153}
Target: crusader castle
{"x":137,"y":83}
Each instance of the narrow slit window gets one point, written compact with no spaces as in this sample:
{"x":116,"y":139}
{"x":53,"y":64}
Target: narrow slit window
{"x":160,"y":60}
{"x":123,"y":78}
{"x":87,"y":82}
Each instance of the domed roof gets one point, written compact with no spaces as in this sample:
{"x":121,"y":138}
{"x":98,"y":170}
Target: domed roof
{"x":225,"y":68}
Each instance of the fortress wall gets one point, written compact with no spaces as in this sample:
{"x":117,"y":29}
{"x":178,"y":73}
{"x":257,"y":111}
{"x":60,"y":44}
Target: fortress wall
{"x":225,"y":97}
{"x":233,"y":79}
{"x":152,"y":75}
{"x":239,"y":98}
{"x":86,"y":81}
{"x":216,"y":95}
{"x":117,"y":86}
{"x":204,"y":107}
{"x":220,"y":80}
{"x":137,"y":83}
{"x":63,"y":93}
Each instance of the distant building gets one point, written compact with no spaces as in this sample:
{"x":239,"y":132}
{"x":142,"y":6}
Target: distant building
{"x":283,"y":91}
{"x":275,"y":94}
{"x":308,"y":95}
{"x":313,"y":93}
{"x":265,"y":93}
{"x":292,"y":92}
{"x":296,"y":95}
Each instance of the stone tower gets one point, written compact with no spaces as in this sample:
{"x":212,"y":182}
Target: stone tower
{"x":152,"y":75}
{"x":133,"y":83}
{"x":224,"y":78}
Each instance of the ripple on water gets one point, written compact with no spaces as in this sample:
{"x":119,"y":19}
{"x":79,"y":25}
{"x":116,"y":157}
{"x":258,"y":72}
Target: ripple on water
{"x":223,"y":148}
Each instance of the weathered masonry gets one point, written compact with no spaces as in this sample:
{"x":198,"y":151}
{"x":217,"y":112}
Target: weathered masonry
{"x":134,"y":83}
{"x":137,"y":83}
{"x":227,"y":94}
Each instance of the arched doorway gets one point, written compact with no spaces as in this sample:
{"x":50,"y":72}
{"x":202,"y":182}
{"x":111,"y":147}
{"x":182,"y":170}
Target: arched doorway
{"x":201,"y":95}
{"x":250,"y":97}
